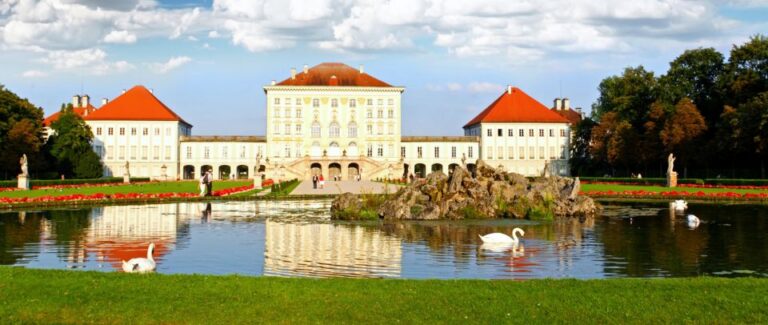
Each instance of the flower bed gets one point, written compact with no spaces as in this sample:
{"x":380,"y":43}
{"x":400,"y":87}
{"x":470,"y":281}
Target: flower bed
{"x":675,"y":194}
{"x":116,"y":196}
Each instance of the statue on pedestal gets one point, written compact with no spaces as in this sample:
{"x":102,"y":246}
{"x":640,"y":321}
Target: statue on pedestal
{"x":463,"y":160}
{"x":23,"y":178}
{"x":671,"y":174}
{"x":257,"y":174}
{"x":127,"y":174}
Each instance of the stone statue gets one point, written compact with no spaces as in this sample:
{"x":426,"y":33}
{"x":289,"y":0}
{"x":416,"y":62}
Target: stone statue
{"x":463,"y":160}
{"x":24,"y":167}
{"x":257,"y":174}
{"x":670,"y":164}
{"x":127,"y":174}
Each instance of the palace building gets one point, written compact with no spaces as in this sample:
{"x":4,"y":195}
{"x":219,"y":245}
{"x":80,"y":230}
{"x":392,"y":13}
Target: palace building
{"x":330,"y":119}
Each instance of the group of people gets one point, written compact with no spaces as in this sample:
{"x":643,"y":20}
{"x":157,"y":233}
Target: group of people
{"x":318,"y":180}
{"x":206,"y":183}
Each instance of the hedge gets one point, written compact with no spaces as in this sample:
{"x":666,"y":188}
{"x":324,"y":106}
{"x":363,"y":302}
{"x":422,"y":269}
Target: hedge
{"x":51,"y":182}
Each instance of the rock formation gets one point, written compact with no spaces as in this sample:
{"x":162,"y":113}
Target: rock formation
{"x":491,"y":194}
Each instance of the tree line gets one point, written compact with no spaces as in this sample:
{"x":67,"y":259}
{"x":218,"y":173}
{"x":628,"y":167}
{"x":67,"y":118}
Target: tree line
{"x":712,"y":113}
{"x":67,"y":152}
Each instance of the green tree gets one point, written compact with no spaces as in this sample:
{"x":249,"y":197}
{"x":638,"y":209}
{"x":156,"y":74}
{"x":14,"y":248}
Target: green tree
{"x":70,"y":143}
{"x":629,"y":96}
{"x":751,"y":129}
{"x":746,"y":73}
{"x":615,"y":141}
{"x":88,"y":166}
{"x":581,"y":160}
{"x":20,"y":132}
{"x":695,"y":75}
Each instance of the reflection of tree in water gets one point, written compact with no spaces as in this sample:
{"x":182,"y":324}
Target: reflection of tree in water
{"x":16,"y":231}
{"x":731,"y":237}
{"x":69,"y":231}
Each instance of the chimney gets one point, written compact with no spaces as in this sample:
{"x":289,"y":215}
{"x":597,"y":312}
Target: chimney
{"x":293,"y":73}
{"x":76,"y":101}
{"x":151,"y":91}
{"x":85,"y":100}
{"x":566,"y":104}
{"x":362,"y":69}
{"x":306,"y":69}
{"x":581,"y":114}
{"x":558,"y":104}
{"x":123,"y":90}
{"x":273,"y":83}
{"x":85,"y":113}
{"x":509,"y":89}
{"x":104,"y":101}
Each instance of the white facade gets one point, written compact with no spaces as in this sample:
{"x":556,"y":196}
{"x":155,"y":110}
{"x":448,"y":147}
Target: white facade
{"x":524,"y":148}
{"x":423,"y":155}
{"x":147,"y":146}
{"x":227,"y":156}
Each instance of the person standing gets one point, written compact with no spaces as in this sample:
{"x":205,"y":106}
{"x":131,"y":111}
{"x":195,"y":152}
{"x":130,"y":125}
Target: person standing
{"x":314,"y":181}
{"x":209,"y":183}
{"x":322,"y":181}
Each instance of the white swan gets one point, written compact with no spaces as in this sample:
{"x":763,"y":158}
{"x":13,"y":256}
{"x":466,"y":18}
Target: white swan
{"x":140,"y":264}
{"x":498,"y":237}
{"x":693,"y":221}
{"x":680,"y":205}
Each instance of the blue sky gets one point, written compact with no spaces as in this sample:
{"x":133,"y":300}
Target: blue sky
{"x":208,"y":60}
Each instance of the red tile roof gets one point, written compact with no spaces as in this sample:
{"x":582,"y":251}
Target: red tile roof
{"x":573,"y":116}
{"x":322,"y":75}
{"x":78,"y":110}
{"x":136,"y":104}
{"x":516,"y":107}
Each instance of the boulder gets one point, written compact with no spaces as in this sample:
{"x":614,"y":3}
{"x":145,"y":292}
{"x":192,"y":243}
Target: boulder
{"x":346,"y":206}
{"x":492,"y":194}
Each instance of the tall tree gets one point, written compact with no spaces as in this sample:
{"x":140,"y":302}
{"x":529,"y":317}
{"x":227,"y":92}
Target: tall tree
{"x":681,"y":130}
{"x":751,"y":131}
{"x":746,"y":73}
{"x":20,"y":132}
{"x":70,"y":143}
{"x":614,"y":141}
{"x":695,"y":74}
{"x":581,"y":160}
{"x":630,"y":95}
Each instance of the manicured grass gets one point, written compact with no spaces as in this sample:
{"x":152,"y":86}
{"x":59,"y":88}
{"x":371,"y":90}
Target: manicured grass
{"x":46,"y":296}
{"x":153,"y":187}
{"x":621,"y":188}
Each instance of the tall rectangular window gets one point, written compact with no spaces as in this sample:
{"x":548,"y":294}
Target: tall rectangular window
{"x":242,"y":152}
{"x":522,"y":152}
{"x":133,"y":131}
{"x":552,"y":153}
{"x":551,"y":132}
{"x":298,"y":101}
{"x":530,"y":132}
{"x":122,"y":131}
{"x":562,"y":152}
{"x":541,"y":152}
{"x":157,"y":131}
{"x":511,"y":152}
{"x":437,"y":152}
{"x":453,"y":152}
{"x":110,"y":152}
{"x":315,"y":102}
{"x":98,"y":131}
{"x":380,"y":151}
{"x":562,"y":132}
{"x":489,"y":154}
{"x":144,"y":152}
{"x":390,"y":102}
{"x":470,"y":151}
{"x":369,"y":113}
{"x":121,"y":153}
{"x":500,"y":152}
{"x":168,"y":131}
{"x":490,"y":132}
{"x":370,"y":150}
{"x":167,"y":152}
{"x":531,"y":152}
{"x":402,"y":152}
{"x":419,"y":152}
{"x":541,"y":132}
{"x":522,"y":132}
{"x":380,"y":113}
{"x":224,"y":153}
{"x":369,"y":102}
{"x":298,"y":129}
{"x":145,"y":131}
{"x":298,"y":113}
{"x":391,"y":113}
{"x":133,"y":152}
{"x":352,"y":103}
{"x":500,"y":132}
{"x":109,"y":131}
{"x":277,"y":101}
{"x":369,"y":128}
{"x":510,"y":133}
{"x":189,"y":152}
{"x":206,"y":152}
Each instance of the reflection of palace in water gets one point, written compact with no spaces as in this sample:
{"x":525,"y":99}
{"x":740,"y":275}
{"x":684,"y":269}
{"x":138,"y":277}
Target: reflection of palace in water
{"x":329,"y":250}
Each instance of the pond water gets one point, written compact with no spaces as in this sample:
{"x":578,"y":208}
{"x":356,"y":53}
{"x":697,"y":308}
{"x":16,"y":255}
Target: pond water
{"x":296,"y":238}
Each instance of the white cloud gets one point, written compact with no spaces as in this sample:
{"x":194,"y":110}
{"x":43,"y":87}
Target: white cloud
{"x":484,"y":87}
{"x":120,"y":36}
{"x":213,"y":34}
{"x":93,"y":61}
{"x":33,"y":74}
{"x":173,"y":63}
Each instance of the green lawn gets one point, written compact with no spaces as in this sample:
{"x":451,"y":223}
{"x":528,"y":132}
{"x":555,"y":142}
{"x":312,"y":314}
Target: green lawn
{"x":154,"y":187}
{"x":46,"y":296}
{"x":620,"y":188}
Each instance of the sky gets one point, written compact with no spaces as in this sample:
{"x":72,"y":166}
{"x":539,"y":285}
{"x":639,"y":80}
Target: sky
{"x":209,"y":60}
